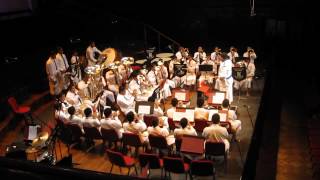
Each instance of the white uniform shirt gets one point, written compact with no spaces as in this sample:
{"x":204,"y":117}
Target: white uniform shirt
{"x":197,"y":56}
{"x":134,"y":85}
{"x":90,"y":54}
{"x":253,"y":56}
{"x":189,"y":130}
{"x":216,"y":133}
{"x":126,"y":102}
{"x":232,"y":57}
{"x":134,"y":127}
{"x":225,"y":69}
{"x":115,"y":124}
{"x":152,"y":77}
{"x":62,"y":62}
{"x":74,"y":97}
{"x":91,"y":122}
{"x":52,"y":69}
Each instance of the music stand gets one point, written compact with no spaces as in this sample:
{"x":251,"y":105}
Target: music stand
{"x":206,"y":68}
{"x":144,"y":107}
{"x":179,"y":70}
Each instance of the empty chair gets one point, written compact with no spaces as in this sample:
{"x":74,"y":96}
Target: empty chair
{"x":116,"y":158}
{"x":130,"y":139}
{"x":151,"y":161}
{"x":202,"y":168}
{"x":91,"y":133}
{"x":217,"y":149}
{"x":175,"y":165}
{"x":20,"y":110}
{"x":110,"y":135}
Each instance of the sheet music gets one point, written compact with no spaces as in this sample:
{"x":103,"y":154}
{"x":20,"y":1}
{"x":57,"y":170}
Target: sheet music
{"x":181,"y":96}
{"x":211,"y":113}
{"x":189,"y":114}
{"x":32,"y":132}
{"x":143,"y":109}
{"x":223,"y":117}
{"x":218,"y":98}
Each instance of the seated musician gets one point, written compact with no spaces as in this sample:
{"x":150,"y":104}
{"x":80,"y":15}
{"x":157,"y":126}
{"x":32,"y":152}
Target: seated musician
{"x":232,"y":118}
{"x":106,"y":94}
{"x":111,"y":122}
{"x":156,"y":130}
{"x":73,"y":118}
{"x":134,"y":84}
{"x":207,"y":76}
{"x":90,"y":120}
{"x":59,"y":113}
{"x":83,"y":86}
{"x":73,"y":97}
{"x":185,"y":129}
{"x":125,"y":100}
{"x":217,"y":133}
{"x":157,"y":110}
{"x":192,"y":69}
{"x":111,"y":81}
{"x":152,"y":75}
{"x":162,"y":75}
{"x":233,"y":54}
{"x":171,"y":66}
{"x":200,"y":55}
{"x":200,"y":112}
{"x":61,"y":98}
{"x":135,"y":125}
{"x":124,"y":73}
{"x":171,"y":110}
{"x":182,"y":54}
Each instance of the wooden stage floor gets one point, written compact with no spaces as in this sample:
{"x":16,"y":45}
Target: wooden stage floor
{"x":96,"y":160}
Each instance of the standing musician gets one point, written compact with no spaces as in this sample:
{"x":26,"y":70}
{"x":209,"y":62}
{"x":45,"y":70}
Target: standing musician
{"x":63,"y":67}
{"x":90,"y":54}
{"x":233,"y":54}
{"x":54,"y":74}
{"x":250,"y":54}
{"x":75,"y":69}
{"x":200,"y":55}
{"x":225,"y":80}
{"x":251,"y":68}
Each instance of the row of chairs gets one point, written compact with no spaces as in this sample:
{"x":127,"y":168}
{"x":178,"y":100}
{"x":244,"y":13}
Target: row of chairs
{"x":314,"y":145}
{"x":168,"y":164}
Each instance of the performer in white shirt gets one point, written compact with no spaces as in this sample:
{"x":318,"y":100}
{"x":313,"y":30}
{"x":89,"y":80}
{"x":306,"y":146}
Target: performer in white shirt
{"x":215,"y":53}
{"x":90,"y":120}
{"x":225,"y":80}
{"x":250,"y":54}
{"x":171,"y":110}
{"x":232,"y":118}
{"x":54,"y":74}
{"x":73,"y":118}
{"x":192,"y":69}
{"x":73,"y":97}
{"x":200,"y":112}
{"x":76,"y":74}
{"x":110,"y":122}
{"x":111,"y":81}
{"x":217,"y":133}
{"x":182,"y":54}
{"x":59,"y":113}
{"x":251,"y":68}
{"x":63,"y":67}
{"x":125,"y":100}
{"x":135,"y":125}
{"x":156,"y":130}
{"x":200,"y":55}
{"x":90,"y":54}
{"x":185,"y":129}
{"x":152,"y":75}
{"x":134,"y":84}
{"x":233,"y":54}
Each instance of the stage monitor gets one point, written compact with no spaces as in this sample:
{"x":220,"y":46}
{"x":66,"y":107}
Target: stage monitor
{"x":144,"y":107}
{"x":192,"y":144}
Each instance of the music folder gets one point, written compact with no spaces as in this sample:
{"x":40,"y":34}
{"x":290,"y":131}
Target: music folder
{"x":192,"y":144}
{"x":144,"y":107}
{"x":206,"y":67}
